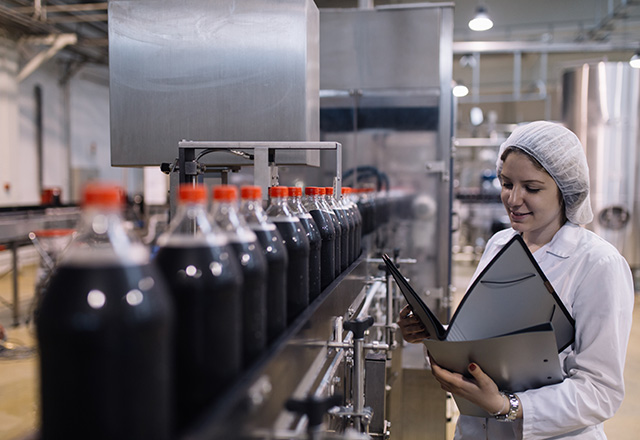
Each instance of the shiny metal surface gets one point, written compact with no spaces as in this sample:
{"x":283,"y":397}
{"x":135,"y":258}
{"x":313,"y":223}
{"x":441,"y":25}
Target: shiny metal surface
{"x":380,"y":48}
{"x":211,"y":71}
{"x":601,"y":104}
{"x":396,"y":59}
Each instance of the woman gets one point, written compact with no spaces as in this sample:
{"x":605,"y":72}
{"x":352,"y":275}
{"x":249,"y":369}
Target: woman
{"x":545,"y":190}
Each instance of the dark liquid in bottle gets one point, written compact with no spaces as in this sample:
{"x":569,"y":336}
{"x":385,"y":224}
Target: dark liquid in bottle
{"x":105,"y":341}
{"x":345,"y":238}
{"x":358,"y":231}
{"x":297,"y":244}
{"x":368,"y":211}
{"x":277,"y":266}
{"x":315,"y":248}
{"x":254,"y":299}
{"x":352,"y":234}
{"x":338,"y":243}
{"x":328,"y":249}
{"x":205,"y":285}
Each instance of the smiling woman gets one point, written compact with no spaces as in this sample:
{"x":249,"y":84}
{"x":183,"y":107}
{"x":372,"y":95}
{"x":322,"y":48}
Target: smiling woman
{"x":531,"y":197}
{"x":545,"y":190}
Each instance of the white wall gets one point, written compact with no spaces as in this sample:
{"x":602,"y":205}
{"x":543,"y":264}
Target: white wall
{"x":9,"y":121}
{"x":76,"y":142}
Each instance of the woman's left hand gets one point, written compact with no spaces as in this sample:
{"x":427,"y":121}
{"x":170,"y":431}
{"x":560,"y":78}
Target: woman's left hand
{"x":479,"y":389}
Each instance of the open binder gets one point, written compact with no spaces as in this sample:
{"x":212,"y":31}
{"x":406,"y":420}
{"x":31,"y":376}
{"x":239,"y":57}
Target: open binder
{"x":511,"y":322}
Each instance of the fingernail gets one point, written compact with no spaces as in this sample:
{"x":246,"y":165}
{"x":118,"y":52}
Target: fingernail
{"x":472,"y":367}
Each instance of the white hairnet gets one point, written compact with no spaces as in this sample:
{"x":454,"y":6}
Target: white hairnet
{"x":560,"y":153}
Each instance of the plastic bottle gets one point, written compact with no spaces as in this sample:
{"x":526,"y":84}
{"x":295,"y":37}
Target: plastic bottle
{"x":367,"y":209}
{"x":346,"y":226}
{"x":254,"y":271}
{"x":104,"y":328}
{"x":324,"y":223}
{"x":295,"y":240}
{"x":276,"y":255}
{"x":205,"y":282}
{"x":336,"y":227}
{"x":315,"y":240}
{"x":342,"y":251}
{"x":349,"y":202}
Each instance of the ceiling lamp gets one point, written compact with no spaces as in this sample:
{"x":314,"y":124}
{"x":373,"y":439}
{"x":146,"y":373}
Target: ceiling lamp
{"x":460,"y":90}
{"x":635,"y":60}
{"x":481,"y":22}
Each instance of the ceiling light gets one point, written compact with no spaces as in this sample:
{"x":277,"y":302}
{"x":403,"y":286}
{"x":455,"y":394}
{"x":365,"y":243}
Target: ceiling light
{"x":635,"y":60}
{"x":460,"y":90}
{"x":481,"y":22}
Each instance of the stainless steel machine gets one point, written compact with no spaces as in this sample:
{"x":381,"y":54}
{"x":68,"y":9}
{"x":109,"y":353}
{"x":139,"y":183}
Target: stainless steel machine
{"x":601,"y":105}
{"x":357,"y":97}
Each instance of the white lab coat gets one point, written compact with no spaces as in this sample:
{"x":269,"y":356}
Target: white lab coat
{"x":595,"y":283}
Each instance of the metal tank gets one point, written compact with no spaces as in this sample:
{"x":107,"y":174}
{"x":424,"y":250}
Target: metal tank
{"x":600,"y":104}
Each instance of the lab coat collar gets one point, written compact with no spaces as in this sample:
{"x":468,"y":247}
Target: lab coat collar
{"x":562,"y":245}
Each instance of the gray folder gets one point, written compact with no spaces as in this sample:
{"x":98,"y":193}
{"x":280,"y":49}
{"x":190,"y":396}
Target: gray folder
{"x":509,"y":318}
{"x":516,"y":362}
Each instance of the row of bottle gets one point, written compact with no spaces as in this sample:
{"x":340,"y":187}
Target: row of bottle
{"x":137,"y":348}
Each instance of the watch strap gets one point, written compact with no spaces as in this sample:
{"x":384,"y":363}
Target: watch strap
{"x":512,"y":412}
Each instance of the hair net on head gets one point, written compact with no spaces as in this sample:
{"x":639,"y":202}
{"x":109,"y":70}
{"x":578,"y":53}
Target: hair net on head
{"x":560,"y":153}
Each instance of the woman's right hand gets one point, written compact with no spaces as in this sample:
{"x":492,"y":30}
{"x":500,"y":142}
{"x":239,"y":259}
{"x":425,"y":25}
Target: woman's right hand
{"x":412,"y":329}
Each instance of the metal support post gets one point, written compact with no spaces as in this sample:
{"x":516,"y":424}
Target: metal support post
{"x":14,"y":281}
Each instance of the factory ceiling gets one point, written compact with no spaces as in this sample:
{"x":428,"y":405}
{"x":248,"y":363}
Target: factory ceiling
{"x":76,"y":30}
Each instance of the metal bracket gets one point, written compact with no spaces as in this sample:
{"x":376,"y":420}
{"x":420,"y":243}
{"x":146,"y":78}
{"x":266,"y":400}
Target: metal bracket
{"x":265,"y":172}
{"x":439,"y":167}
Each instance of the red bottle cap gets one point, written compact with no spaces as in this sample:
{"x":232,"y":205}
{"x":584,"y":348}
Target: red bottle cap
{"x":192,"y":194}
{"x":295,"y":191}
{"x":329,"y":190}
{"x":225,"y":193}
{"x":278,"y":191}
{"x":346,"y":190}
{"x":312,"y":191}
{"x":101,"y":194}
{"x":251,"y":192}
{"x":322,"y":191}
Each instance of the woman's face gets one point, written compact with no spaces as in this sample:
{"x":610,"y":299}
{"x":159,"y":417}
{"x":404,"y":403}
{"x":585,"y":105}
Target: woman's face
{"x":531,"y":197}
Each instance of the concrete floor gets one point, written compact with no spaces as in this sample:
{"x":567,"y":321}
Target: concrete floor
{"x":18,"y":370}
{"x":18,"y":367}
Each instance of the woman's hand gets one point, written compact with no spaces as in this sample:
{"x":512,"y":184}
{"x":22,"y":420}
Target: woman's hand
{"x":479,"y":389}
{"x":412,"y":329}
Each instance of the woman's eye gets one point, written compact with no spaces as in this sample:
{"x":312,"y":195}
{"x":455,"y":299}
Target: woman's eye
{"x":533,"y":190}
{"x":507,"y":185}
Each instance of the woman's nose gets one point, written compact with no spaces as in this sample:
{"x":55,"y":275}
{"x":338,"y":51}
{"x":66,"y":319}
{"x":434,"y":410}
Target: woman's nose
{"x":515,"y":197}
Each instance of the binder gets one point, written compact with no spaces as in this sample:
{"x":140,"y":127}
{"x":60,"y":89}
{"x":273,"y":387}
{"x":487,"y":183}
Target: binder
{"x":510,"y":319}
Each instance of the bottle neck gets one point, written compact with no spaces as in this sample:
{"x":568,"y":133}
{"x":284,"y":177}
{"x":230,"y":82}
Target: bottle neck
{"x":191,"y":226}
{"x":253,"y":212}
{"x":104,"y":238}
{"x":279,"y":207}
{"x":325,"y":203}
{"x":312,"y":202}
{"x":225,"y":215}
{"x":297,"y":208}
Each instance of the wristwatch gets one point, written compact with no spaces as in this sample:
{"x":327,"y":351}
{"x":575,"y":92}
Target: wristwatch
{"x":514,"y":405}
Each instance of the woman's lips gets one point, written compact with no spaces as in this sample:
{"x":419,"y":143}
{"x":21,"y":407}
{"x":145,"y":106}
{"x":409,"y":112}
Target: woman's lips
{"x":517,"y":216}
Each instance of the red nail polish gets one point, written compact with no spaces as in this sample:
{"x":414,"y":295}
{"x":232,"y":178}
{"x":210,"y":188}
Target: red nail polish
{"x":472,"y":367}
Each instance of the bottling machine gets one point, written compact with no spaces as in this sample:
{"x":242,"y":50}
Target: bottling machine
{"x":339,"y":97}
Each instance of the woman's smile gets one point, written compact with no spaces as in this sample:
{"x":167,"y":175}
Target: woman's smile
{"x":532,"y":199}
